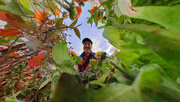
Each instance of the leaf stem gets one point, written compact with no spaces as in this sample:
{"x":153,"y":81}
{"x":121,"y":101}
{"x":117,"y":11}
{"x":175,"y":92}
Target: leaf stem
{"x":128,"y":73}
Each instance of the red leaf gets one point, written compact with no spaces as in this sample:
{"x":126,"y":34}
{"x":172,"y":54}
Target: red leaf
{"x":36,"y":60}
{"x":9,"y":32}
{"x":15,"y":21}
{"x":3,"y":16}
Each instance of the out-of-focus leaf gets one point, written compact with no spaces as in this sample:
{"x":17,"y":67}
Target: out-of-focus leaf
{"x":150,"y":79}
{"x":25,"y":3}
{"x":117,"y":11}
{"x":128,"y":56}
{"x":3,"y":16}
{"x":68,"y":83}
{"x":2,"y":40}
{"x":96,"y":13}
{"x":78,"y":59}
{"x":165,"y":43}
{"x":55,"y":78}
{"x":31,"y":45}
{"x":77,"y":32}
{"x":68,"y":70}
{"x":37,"y":42}
{"x":59,"y":22}
{"x":118,"y":92}
{"x":11,"y":100}
{"x":113,"y":92}
{"x":36,"y":60}
{"x":166,"y":16}
{"x":4,"y":8}
{"x":172,"y":85}
{"x":73,"y":23}
{"x":15,"y":21}
{"x":165,"y":46}
{"x":100,"y":81}
{"x":44,"y":83}
{"x":112,"y":34}
{"x":14,"y":8}
{"x":60,"y":52}
{"x":9,"y":32}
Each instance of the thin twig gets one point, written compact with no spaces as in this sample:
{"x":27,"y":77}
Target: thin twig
{"x":25,"y":16}
{"x":13,"y":43}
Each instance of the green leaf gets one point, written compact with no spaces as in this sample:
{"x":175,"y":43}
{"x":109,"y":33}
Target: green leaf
{"x":14,"y":8}
{"x":3,"y":40}
{"x":4,"y":9}
{"x":96,"y":13}
{"x":77,"y":59}
{"x":166,"y":16}
{"x":149,"y":77}
{"x":68,"y":70}
{"x":117,"y":11}
{"x":151,"y":80}
{"x":68,"y":89}
{"x":10,"y":100}
{"x":164,"y":42}
{"x":128,"y":56}
{"x":25,"y":3}
{"x":100,"y":81}
{"x":59,"y":22}
{"x":92,"y":63}
{"x":54,"y":81}
{"x":113,"y":92}
{"x":119,"y":93}
{"x":31,"y":45}
{"x":60,"y":52}
{"x":73,"y":23}
{"x":112,"y":34}
{"x":44,"y":83}
{"x":77,"y":32}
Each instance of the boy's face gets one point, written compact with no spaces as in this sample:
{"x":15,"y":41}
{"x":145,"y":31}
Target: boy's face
{"x":87,"y":46}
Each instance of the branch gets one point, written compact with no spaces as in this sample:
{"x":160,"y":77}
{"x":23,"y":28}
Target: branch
{"x":13,"y":43}
{"x":131,"y":75}
{"x":14,"y":47}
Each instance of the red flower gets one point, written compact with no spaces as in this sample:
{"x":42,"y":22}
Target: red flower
{"x":94,"y":9}
{"x":57,"y":10}
{"x":84,"y":0}
{"x":40,"y":16}
{"x":79,"y":9}
{"x":81,"y":0}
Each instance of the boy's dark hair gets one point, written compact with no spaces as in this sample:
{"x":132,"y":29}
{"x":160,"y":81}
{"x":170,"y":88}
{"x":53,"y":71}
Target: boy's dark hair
{"x":87,"y":39}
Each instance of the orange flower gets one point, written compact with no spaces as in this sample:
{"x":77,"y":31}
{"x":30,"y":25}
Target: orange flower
{"x":57,"y":10}
{"x":72,"y":53}
{"x":94,"y":9}
{"x":4,"y":47}
{"x":40,"y":17}
{"x":77,"y":0}
{"x":79,"y":9}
